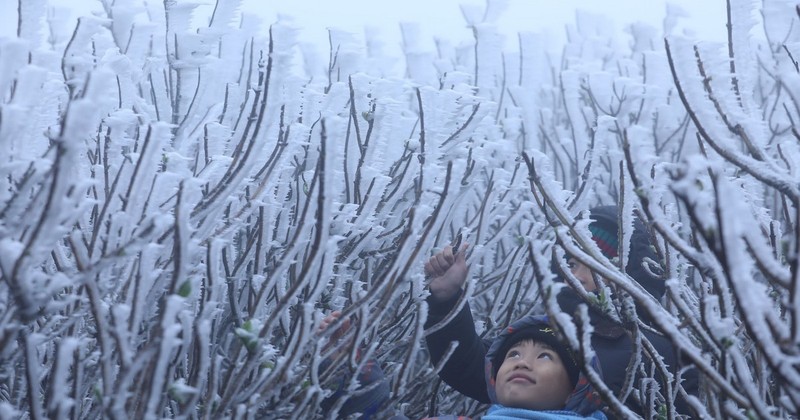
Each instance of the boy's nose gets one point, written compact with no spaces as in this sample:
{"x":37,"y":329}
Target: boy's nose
{"x":522,"y":363}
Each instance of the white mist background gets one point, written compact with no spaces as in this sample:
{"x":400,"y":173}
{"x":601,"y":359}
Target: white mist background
{"x":440,"y":19}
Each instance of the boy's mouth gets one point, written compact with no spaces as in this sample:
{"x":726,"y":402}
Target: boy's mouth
{"x":520,"y":377}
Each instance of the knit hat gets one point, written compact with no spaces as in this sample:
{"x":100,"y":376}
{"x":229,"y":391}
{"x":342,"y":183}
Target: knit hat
{"x":604,"y":219}
{"x":605,"y":236}
{"x":540,"y":332}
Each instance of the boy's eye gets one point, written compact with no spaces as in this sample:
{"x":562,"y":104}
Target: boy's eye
{"x":572,"y":264}
{"x":512,"y":353}
{"x":546,"y":355}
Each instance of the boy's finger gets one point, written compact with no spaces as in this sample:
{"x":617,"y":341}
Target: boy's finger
{"x":429,"y":269}
{"x":447,"y":254}
{"x":461,"y":258}
{"x":440,"y":264}
{"x":433,"y":265}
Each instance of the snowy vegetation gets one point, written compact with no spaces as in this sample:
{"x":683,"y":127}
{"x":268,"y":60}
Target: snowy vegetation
{"x":181,"y":206}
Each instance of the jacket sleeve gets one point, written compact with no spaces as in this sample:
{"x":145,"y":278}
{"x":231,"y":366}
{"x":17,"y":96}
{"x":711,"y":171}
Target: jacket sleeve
{"x":674,"y":361}
{"x":464,"y":370}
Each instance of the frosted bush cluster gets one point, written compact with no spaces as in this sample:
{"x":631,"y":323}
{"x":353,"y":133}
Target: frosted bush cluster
{"x":180,"y":206}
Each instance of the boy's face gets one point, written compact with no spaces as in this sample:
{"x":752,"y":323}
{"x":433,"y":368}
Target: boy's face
{"x":583,"y":274}
{"x":532,"y":376}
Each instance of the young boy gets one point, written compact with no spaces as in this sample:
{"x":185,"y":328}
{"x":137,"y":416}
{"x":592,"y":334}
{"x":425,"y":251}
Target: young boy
{"x":530,"y":374}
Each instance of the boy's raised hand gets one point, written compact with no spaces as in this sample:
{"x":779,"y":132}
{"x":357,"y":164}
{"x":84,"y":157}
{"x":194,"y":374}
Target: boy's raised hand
{"x":447,"y":273}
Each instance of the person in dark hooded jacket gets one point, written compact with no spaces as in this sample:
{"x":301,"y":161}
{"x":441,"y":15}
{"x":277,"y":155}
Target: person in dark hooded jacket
{"x":610,"y":340}
{"x":530,"y":374}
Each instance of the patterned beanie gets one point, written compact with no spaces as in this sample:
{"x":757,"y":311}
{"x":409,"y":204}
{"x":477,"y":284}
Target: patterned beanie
{"x":606,"y":238}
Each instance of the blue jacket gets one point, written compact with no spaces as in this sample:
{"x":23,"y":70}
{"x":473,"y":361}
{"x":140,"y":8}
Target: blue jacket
{"x":498,"y":412}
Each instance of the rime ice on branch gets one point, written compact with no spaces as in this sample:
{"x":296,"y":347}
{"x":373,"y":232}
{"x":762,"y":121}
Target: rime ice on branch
{"x":180,"y":207}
